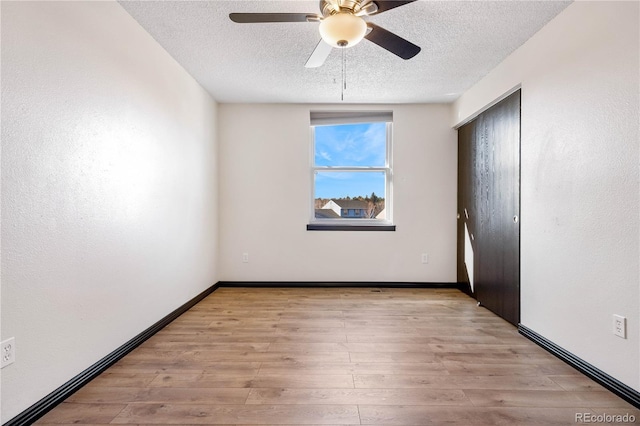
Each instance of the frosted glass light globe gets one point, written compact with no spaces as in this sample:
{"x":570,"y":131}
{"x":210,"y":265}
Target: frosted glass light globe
{"x":343,"y":29}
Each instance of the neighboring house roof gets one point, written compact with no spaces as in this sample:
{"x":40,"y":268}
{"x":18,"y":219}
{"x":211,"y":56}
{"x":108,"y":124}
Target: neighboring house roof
{"x":326,"y":214}
{"x":352,"y":204}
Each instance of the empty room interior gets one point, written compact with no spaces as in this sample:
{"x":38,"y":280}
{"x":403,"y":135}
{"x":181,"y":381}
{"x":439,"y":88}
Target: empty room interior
{"x":338,"y":212}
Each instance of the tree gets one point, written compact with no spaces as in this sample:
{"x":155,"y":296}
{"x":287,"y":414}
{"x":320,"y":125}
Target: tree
{"x":320,"y":202}
{"x":376,"y":205}
{"x":371,"y":210}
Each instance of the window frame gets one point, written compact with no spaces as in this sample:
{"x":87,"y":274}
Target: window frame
{"x":355,"y":224}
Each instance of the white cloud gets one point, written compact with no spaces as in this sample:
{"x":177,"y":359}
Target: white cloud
{"x":325,"y":155}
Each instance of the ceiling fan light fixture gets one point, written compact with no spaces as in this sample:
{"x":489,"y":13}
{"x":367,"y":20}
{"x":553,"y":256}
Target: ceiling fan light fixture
{"x":343,"y":29}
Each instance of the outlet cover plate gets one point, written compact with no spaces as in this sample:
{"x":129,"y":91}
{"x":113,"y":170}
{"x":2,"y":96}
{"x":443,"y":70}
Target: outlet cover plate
{"x":620,"y":326}
{"x":8,"y":352}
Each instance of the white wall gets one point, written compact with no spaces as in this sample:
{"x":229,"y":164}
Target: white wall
{"x":580,"y":193}
{"x":264,"y":165}
{"x":109,"y":192}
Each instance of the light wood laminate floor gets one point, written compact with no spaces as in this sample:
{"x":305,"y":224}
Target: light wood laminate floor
{"x":338,"y":356}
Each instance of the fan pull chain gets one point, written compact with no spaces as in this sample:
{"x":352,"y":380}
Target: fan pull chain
{"x":344,"y":58}
{"x":344,"y":73}
{"x":344,"y":80}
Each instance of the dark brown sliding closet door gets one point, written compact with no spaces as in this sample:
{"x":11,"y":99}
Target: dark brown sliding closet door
{"x":489,"y":206}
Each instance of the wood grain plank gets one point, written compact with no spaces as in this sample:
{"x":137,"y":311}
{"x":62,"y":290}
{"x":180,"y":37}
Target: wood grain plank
{"x":94,"y":394}
{"x":353,"y":368}
{"x":498,"y":348}
{"x":124,"y":379}
{"x":185,"y":368}
{"x":398,"y":381}
{"x":544,"y":398}
{"x":227,"y":356}
{"x":576,"y":383}
{"x":311,"y":338}
{"x":358,"y":396}
{"x":472,"y":416}
{"x":210,"y":346}
{"x":392,"y":357}
{"x":204,"y":380}
{"x":232,"y":414}
{"x":254,"y":381}
{"x":82,"y":413}
{"x":456,"y":338}
{"x":308,"y":347}
{"x":511,"y":369}
{"x":496,"y":358}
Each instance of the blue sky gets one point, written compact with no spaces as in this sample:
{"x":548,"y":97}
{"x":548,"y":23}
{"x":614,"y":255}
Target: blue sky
{"x":350,"y":145}
{"x":342,"y":184}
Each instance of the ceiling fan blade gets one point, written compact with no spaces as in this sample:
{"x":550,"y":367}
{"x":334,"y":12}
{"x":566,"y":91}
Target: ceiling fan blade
{"x":391,"y":42}
{"x":319,"y":55}
{"x":384,"y":5}
{"x":252,"y":18}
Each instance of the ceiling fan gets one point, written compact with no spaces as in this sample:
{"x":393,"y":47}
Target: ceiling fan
{"x":342,"y":25}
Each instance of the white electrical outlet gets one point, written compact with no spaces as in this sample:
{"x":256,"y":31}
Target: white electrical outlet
{"x":620,"y":326}
{"x":424,"y":258}
{"x":245,"y":257}
{"x":8,"y":352}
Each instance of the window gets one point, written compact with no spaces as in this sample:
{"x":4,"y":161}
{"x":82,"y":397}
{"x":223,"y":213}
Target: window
{"x":351,"y":172}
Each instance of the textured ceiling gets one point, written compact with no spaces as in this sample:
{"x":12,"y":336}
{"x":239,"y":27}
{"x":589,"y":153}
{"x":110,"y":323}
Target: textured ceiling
{"x":461,"y":42}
